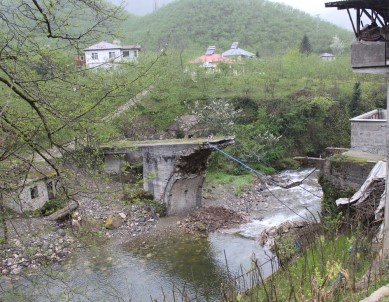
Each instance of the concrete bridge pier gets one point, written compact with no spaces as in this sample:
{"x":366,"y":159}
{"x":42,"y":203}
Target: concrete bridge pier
{"x":175,"y":176}
{"x":173,"y":172}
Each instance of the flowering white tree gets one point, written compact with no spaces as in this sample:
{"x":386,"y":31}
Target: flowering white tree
{"x":217,"y":114}
{"x":337,"y":46}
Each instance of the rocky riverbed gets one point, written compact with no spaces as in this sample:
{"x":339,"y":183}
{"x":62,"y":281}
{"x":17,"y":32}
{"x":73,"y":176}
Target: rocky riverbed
{"x":37,"y":241}
{"x":100,"y":218}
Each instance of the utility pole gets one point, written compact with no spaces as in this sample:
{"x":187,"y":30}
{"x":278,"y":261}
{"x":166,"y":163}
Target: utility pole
{"x":155,"y":5}
{"x":385,"y":252}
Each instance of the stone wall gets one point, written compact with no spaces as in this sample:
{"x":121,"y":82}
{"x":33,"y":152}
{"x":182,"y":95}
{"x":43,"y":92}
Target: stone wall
{"x":347,"y":174}
{"x":28,"y":198}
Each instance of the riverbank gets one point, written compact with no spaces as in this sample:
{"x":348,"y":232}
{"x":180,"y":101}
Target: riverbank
{"x":36,"y":241}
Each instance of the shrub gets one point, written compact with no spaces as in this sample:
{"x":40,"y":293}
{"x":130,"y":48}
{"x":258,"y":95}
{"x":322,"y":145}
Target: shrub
{"x":53,"y":206}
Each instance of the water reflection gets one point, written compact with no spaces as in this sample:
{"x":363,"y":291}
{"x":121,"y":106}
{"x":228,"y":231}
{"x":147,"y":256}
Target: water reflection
{"x":159,"y":266}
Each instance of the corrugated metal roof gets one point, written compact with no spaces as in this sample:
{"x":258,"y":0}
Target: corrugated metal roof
{"x":107,"y":45}
{"x":237,"y":52}
{"x":103,"y":45}
{"x":131,"y":47}
{"x":326,"y":54}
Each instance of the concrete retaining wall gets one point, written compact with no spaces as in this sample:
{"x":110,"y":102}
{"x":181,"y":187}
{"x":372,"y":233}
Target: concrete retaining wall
{"x":346,"y":174}
{"x":368,"y":133}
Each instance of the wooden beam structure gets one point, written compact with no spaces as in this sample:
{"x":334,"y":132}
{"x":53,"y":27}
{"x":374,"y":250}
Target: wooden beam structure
{"x":377,"y":11}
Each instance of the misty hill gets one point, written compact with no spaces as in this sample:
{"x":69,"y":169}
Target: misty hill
{"x":141,"y":8}
{"x":260,"y":26}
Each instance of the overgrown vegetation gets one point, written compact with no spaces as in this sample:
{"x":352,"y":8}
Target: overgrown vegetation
{"x":262,"y":27}
{"x":285,"y":102}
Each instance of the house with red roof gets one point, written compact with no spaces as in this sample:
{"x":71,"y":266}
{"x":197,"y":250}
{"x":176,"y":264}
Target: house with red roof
{"x":210,"y":58}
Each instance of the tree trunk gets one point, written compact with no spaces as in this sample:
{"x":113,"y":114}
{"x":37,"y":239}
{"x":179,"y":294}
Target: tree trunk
{"x":3,"y":220}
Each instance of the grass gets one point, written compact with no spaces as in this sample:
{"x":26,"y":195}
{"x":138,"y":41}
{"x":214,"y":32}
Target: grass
{"x":327,"y":271}
{"x":237,"y":182}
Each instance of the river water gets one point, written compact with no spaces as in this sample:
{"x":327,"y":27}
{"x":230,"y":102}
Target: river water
{"x":164,"y":268}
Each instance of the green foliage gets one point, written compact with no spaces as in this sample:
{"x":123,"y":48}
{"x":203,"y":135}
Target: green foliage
{"x":302,"y":100}
{"x":355,"y":104}
{"x":286,"y":164}
{"x":237,"y":182}
{"x":259,"y":140}
{"x":52,"y":206}
{"x":137,"y":195}
{"x":285,"y":247}
{"x":160,"y":207}
{"x":325,"y":270}
{"x":262,"y":27}
{"x":305,"y":46}
{"x":330,"y":194}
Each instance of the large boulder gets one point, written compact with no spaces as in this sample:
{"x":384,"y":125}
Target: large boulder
{"x":114,"y":221}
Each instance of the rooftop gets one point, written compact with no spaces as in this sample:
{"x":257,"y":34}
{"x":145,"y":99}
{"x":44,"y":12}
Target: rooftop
{"x":106,"y":45}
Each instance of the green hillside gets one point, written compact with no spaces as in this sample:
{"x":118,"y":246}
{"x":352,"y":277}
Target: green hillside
{"x":259,"y":25}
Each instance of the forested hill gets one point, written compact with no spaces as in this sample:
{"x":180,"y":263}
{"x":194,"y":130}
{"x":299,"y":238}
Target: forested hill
{"x":259,"y":25}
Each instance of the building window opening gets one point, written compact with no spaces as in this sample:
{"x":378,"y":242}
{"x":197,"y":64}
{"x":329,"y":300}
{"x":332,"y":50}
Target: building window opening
{"x":95,"y":56}
{"x":112,"y":55}
{"x":126,"y":53}
{"x":34,"y":192}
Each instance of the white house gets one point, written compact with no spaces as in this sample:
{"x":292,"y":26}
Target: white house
{"x":327,"y":56}
{"x":105,"y":54}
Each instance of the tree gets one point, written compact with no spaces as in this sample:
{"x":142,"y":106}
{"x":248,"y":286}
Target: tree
{"x":355,"y":104}
{"x":217,"y":114}
{"x":337,"y":46}
{"x":44,"y":101}
{"x":305,"y":46}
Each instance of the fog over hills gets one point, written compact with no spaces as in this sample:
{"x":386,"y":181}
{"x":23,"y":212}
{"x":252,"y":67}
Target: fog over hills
{"x":144,"y":7}
{"x":141,"y":7}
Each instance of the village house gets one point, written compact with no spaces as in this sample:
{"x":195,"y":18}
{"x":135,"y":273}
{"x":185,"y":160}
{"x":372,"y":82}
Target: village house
{"x":237,"y":53}
{"x":104,"y":54}
{"x":327,"y":56}
{"x":210,"y":59}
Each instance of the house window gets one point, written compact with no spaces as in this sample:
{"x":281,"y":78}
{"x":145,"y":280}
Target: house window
{"x":34,"y":192}
{"x":95,"y":56}
{"x":112,"y":55}
{"x":126,"y":53}
{"x":135,"y":54}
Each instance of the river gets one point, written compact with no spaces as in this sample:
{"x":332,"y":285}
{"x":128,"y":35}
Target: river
{"x":166,"y":268}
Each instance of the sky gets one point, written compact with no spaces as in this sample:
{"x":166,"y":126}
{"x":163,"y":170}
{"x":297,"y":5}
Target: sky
{"x":317,"y":7}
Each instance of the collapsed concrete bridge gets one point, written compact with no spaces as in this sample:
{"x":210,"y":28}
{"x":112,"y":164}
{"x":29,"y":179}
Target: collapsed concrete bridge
{"x":173,"y":171}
